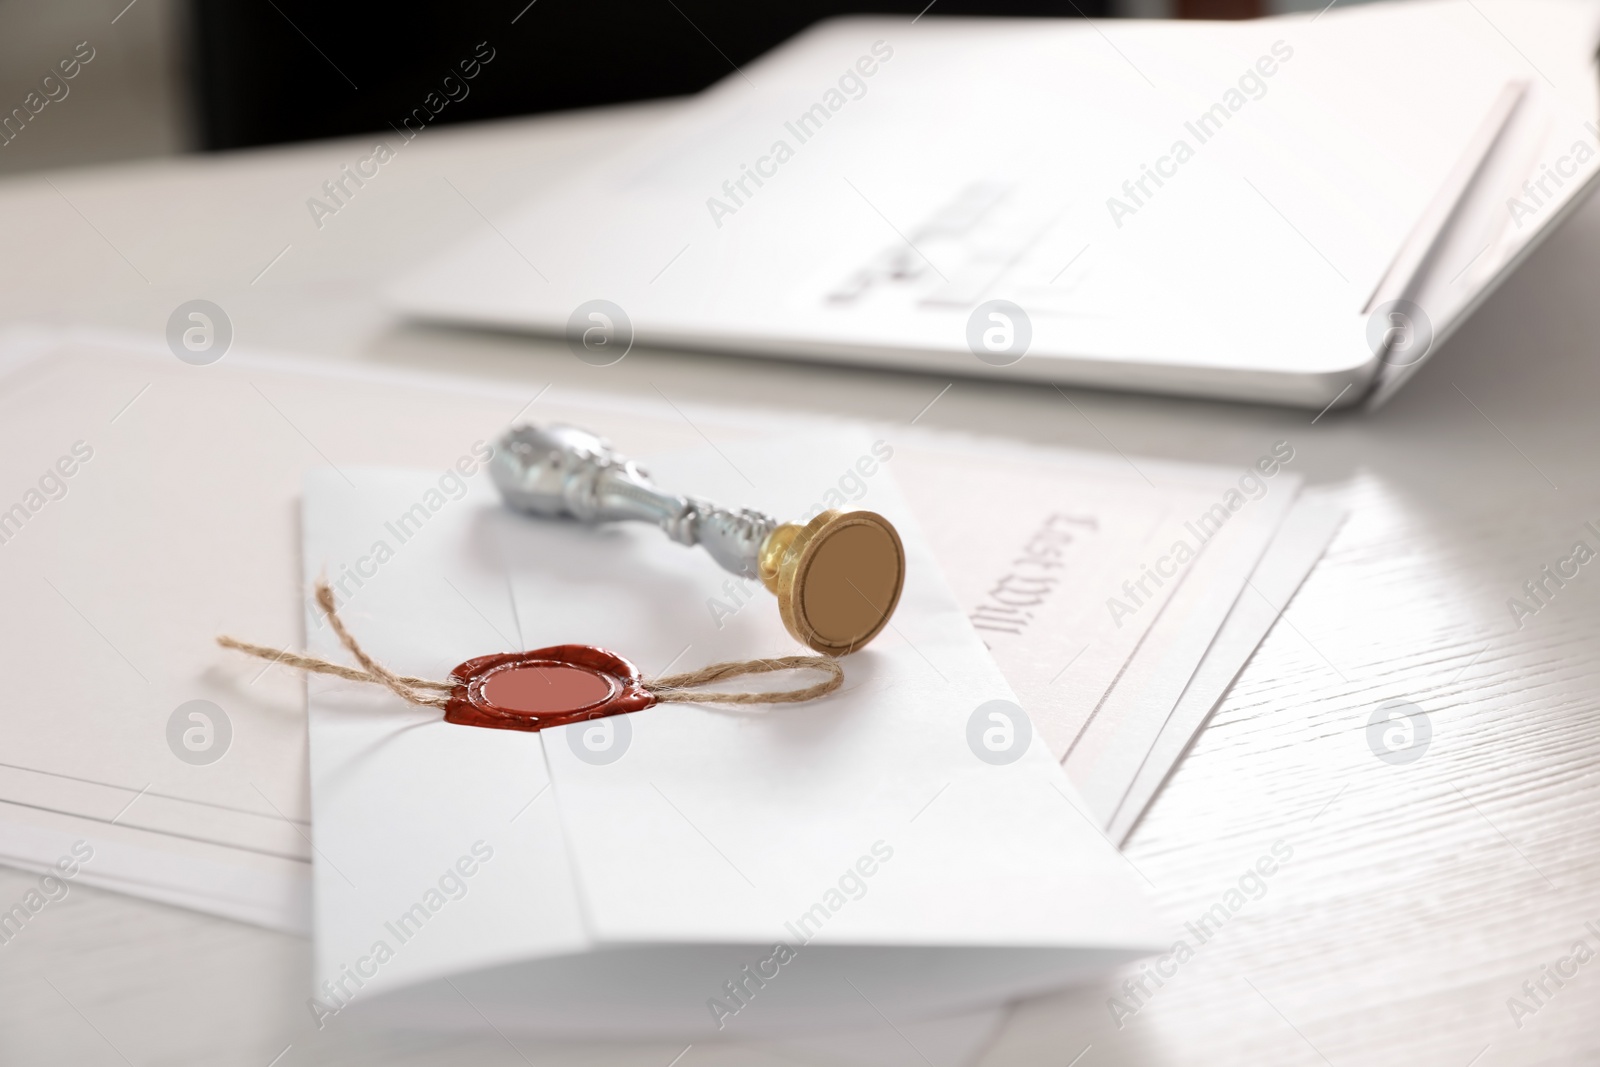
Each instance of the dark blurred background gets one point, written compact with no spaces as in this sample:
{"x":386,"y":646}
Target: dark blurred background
{"x":174,"y":76}
{"x":289,"y":70}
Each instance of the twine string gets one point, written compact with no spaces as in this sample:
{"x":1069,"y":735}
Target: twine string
{"x":408,"y":689}
{"x":684,"y":687}
{"x":426,"y":692}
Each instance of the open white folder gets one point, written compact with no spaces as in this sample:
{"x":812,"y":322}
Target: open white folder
{"x":1220,"y":208}
{"x":736,"y":873}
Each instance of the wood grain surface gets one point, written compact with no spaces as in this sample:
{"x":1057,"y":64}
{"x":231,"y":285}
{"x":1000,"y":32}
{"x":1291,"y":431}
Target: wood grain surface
{"x":1417,"y":897}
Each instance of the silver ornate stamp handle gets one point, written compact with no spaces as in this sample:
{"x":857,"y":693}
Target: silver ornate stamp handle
{"x":837,"y":577}
{"x":564,"y":471}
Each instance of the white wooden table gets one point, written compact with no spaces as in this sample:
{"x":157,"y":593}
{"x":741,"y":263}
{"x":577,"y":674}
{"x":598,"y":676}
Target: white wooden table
{"x":1418,"y":898}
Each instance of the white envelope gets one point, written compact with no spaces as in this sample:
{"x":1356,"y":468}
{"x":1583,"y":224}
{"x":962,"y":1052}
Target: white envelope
{"x":784,"y":869}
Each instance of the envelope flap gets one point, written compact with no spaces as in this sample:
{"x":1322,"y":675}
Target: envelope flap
{"x":869,"y":817}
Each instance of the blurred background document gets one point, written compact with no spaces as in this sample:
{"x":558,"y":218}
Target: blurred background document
{"x":1209,"y":208}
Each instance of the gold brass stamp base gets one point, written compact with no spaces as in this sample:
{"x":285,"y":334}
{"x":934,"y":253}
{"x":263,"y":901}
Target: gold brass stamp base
{"x":837,"y":578}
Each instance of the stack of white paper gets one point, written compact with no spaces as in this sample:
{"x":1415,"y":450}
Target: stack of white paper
{"x":1042,"y":554}
{"x":1119,"y":600}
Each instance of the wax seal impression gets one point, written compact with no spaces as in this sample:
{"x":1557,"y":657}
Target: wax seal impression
{"x":545,"y":687}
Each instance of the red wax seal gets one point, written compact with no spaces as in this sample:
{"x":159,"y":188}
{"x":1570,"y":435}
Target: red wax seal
{"x":546,"y":687}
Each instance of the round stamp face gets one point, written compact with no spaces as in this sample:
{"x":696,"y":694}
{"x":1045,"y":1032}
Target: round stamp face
{"x":847,"y":581}
{"x":545,"y":687}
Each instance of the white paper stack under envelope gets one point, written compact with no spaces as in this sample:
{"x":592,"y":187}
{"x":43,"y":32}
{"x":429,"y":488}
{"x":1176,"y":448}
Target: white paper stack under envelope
{"x":1047,"y":552}
{"x":1120,"y":597}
